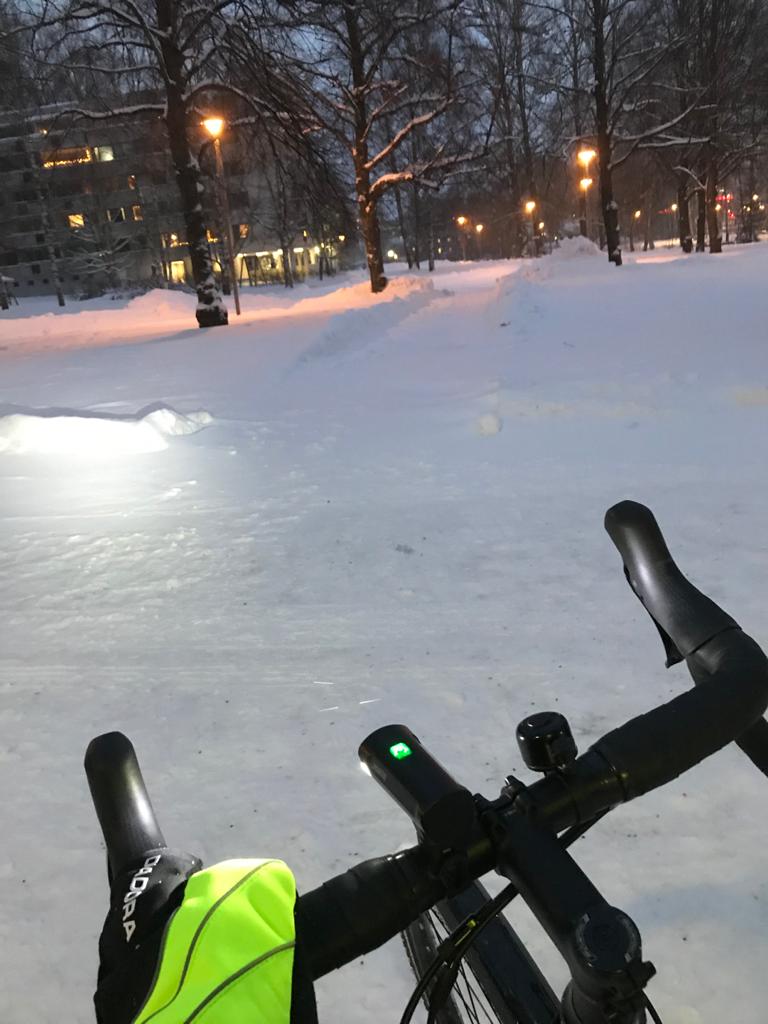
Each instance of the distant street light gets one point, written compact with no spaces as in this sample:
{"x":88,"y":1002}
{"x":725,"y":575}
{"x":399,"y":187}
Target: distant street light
{"x":541,"y":225}
{"x":635,"y":217}
{"x":463,"y":223}
{"x":585,"y":157}
{"x":215,"y":126}
{"x":479,"y":228}
{"x":530,"y":209}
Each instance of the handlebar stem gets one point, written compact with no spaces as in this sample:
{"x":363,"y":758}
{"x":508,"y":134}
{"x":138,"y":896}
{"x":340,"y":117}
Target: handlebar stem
{"x":600,"y":943}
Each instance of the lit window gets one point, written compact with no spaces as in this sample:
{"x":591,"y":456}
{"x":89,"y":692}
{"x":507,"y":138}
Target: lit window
{"x":243,"y":230}
{"x":104,"y":153}
{"x":76,"y":220}
{"x":137,"y":212}
{"x":131,"y":181}
{"x":67,"y":157}
{"x":210,"y":235}
{"x":116,"y":214}
{"x":178,"y":271}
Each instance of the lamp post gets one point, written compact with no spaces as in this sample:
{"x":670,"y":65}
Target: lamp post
{"x":585,"y":157}
{"x":215,"y":126}
{"x":635,"y":218}
{"x":584,"y":185}
{"x":462,"y":221}
{"x":673,"y":210}
{"x":530,"y":209}
{"x":479,"y":228}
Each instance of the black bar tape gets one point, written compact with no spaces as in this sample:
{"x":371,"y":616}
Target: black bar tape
{"x":120,"y":797}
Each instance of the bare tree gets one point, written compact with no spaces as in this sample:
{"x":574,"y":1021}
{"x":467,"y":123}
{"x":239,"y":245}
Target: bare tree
{"x":357,"y":87}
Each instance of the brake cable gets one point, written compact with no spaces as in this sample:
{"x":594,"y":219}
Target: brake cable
{"x":451,"y":951}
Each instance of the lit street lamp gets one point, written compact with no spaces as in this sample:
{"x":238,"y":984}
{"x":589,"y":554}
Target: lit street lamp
{"x":463,"y":221}
{"x":479,"y":228}
{"x":635,"y":217}
{"x":585,"y":157}
{"x":215,"y":126}
{"x":530,"y":209}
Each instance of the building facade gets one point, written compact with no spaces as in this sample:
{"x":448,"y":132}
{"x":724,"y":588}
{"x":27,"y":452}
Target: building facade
{"x":95,"y":206}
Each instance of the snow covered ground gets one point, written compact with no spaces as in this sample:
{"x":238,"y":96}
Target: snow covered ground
{"x":249,"y":547}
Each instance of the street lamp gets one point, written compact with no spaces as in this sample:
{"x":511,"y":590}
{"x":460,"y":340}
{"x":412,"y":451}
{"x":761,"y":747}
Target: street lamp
{"x":530,"y":209}
{"x":215,"y":126}
{"x":635,"y":217}
{"x":584,"y":186}
{"x":585,"y":157}
{"x":673,"y":211}
{"x":463,"y":221}
{"x":479,"y":228}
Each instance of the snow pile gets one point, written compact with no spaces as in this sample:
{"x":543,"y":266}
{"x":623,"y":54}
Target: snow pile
{"x":159,"y":302}
{"x":489,"y":424}
{"x":576,"y":248}
{"x":69,"y":432}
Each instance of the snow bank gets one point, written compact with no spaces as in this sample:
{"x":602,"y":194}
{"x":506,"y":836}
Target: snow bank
{"x":575,"y":249}
{"x":69,"y":432}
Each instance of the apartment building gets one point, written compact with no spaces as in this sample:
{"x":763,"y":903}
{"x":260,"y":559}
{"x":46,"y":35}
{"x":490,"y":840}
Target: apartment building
{"x":95,"y":204}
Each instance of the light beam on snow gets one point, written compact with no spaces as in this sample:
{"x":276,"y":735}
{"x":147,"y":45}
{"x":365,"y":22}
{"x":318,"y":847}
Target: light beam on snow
{"x":72,"y":432}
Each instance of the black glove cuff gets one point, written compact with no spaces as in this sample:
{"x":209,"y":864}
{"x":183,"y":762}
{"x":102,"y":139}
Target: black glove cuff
{"x":142,"y":900}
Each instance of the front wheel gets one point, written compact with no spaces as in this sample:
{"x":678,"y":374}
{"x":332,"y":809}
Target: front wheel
{"x":498,"y":982}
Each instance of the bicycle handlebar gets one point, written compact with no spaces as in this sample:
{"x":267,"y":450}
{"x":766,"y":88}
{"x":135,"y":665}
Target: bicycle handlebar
{"x":729,"y":669}
{"x":122,"y":803}
{"x":681,"y":612}
{"x":731,"y":693}
{"x":360,"y":909}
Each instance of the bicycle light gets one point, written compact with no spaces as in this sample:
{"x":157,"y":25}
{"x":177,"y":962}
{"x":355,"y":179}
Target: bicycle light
{"x":442,"y":810}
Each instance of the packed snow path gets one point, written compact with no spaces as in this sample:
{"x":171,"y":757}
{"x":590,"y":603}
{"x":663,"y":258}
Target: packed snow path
{"x":393,"y":515}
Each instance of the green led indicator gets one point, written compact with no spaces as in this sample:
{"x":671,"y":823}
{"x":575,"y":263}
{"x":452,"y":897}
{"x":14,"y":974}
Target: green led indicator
{"x":400,"y":750}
